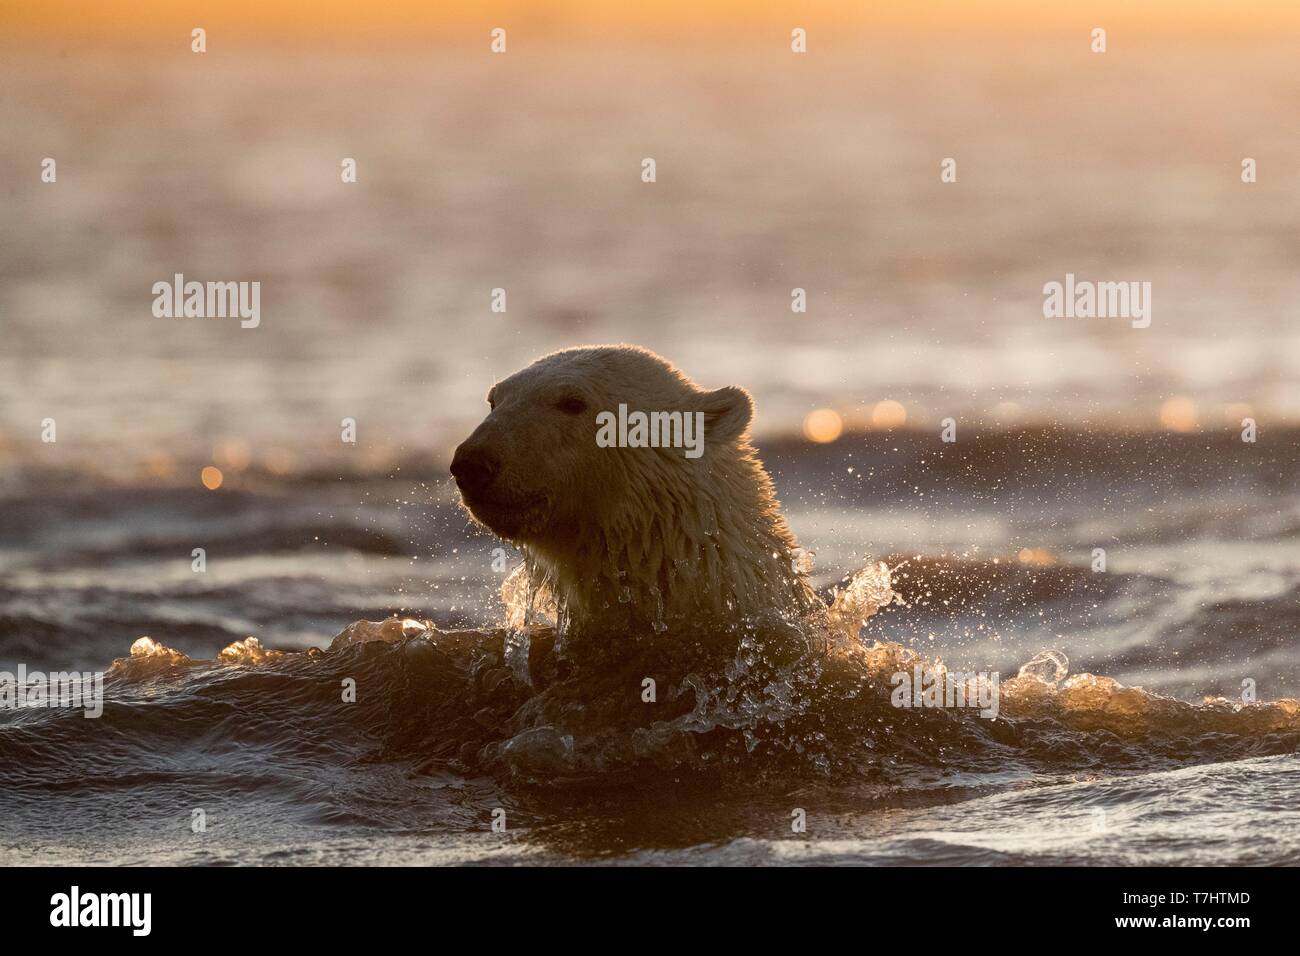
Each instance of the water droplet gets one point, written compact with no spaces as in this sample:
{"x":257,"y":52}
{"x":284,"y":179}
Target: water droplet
{"x":1050,"y":667}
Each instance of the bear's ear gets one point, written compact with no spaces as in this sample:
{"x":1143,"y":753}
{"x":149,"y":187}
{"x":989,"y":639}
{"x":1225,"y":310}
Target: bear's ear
{"x":727,"y":413}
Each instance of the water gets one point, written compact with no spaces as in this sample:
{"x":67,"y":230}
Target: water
{"x":444,"y":731}
{"x":523,"y":174}
{"x":375,"y":305}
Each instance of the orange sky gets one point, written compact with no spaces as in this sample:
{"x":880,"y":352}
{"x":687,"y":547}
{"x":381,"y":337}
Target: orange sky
{"x":415,"y":20}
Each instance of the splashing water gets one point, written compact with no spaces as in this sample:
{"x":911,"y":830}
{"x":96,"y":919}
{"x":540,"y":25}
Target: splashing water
{"x":789,"y":705}
{"x":868,"y":590}
{"x":787,"y":696}
{"x":1050,"y":667}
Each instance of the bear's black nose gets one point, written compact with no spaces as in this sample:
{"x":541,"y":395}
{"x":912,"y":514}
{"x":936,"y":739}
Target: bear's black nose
{"x":473,"y":468}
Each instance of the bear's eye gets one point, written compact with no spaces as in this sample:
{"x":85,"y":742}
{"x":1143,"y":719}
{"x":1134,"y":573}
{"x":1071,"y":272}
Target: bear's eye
{"x":571,"y":405}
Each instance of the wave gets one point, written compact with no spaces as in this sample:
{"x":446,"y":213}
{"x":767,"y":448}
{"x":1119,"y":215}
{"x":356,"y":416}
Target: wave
{"x":519,"y":706}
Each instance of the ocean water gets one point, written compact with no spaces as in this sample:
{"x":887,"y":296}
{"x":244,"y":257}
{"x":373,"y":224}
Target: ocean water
{"x":992,"y":566}
{"x":523,"y":173}
{"x":525,"y":176}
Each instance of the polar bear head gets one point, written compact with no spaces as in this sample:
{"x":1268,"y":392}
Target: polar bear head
{"x":633,"y":493}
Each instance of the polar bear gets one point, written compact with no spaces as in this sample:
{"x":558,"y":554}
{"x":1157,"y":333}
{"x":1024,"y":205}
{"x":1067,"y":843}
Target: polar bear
{"x":589,"y":462}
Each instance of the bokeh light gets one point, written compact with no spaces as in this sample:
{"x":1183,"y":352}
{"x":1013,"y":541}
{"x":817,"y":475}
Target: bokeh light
{"x":823,"y":425}
{"x":888,"y":414}
{"x":1178,"y":414}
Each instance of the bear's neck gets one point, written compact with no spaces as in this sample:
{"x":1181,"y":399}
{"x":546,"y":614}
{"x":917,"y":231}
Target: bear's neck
{"x":690,"y":544}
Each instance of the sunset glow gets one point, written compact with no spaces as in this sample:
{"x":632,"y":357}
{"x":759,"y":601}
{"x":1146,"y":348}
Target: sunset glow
{"x":414,"y":22}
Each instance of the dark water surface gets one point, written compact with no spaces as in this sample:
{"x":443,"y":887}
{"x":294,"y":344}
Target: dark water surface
{"x":993,"y":562}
